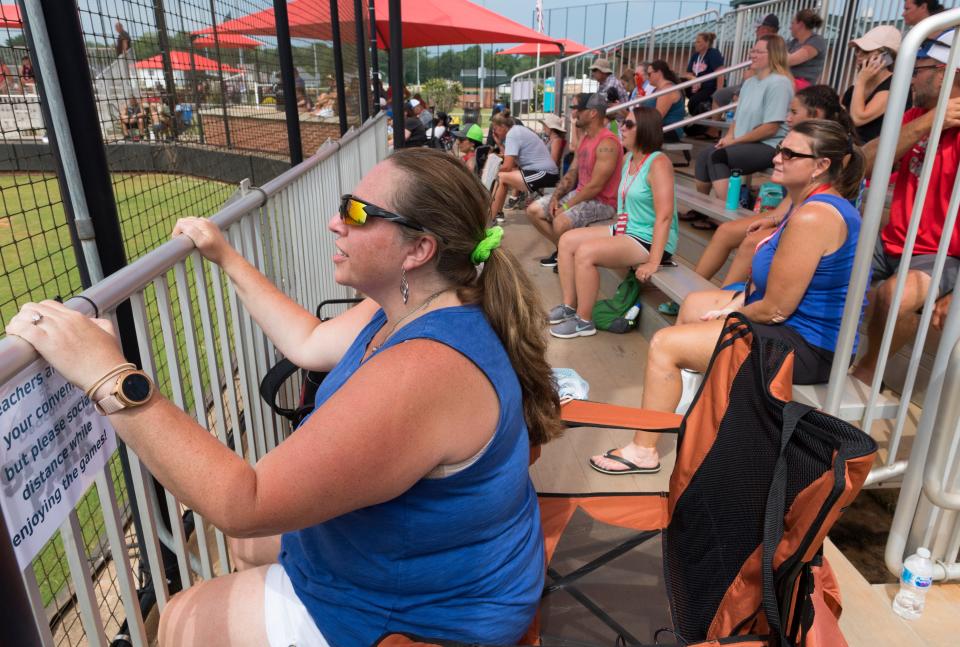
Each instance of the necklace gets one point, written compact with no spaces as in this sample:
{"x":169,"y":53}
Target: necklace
{"x":430,"y":299}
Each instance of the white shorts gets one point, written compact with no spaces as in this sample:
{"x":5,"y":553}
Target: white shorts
{"x":287,"y":621}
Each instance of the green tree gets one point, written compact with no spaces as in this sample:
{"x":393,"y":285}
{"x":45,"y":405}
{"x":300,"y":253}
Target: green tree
{"x":442,"y":93}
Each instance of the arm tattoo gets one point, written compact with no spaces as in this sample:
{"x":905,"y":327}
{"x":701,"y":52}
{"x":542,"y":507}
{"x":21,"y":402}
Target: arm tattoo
{"x":567,"y":182}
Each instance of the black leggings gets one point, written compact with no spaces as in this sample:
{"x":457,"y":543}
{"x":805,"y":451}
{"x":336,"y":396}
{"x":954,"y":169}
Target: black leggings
{"x":716,"y":164}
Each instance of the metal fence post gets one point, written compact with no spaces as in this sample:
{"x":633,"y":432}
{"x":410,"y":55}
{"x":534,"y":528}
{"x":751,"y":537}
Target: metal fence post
{"x":160,"y":17}
{"x":223,"y":86}
{"x":396,"y":73}
{"x":285,"y":54}
{"x":361,"y":61}
{"x":375,"y":59}
{"x":338,"y":66}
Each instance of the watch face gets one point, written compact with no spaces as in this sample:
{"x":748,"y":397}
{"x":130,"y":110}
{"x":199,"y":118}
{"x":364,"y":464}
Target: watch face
{"x":135,"y":388}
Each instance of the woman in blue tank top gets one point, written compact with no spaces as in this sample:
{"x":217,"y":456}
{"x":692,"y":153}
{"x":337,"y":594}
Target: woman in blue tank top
{"x":403,"y":503}
{"x":797,"y":290}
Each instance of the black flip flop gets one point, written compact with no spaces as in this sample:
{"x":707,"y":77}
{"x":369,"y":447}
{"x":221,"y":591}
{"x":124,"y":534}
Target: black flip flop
{"x":691,"y":216}
{"x":704,"y":225}
{"x":632,"y":468}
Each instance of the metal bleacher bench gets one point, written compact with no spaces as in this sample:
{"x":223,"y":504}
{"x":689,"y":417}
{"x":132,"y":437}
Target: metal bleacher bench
{"x":708,"y":206}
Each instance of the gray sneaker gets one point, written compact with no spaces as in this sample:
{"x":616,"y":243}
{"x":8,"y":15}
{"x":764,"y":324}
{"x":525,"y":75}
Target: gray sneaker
{"x":560,"y":313}
{"x":575,"y":327}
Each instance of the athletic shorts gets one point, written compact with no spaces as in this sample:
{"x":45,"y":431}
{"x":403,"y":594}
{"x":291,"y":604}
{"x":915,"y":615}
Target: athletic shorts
{"x":536,"y":180}
{"x":667,"y":256}
{"x":885,"y":266}
{"x":582,"y":213}
{"x":288,"y":622}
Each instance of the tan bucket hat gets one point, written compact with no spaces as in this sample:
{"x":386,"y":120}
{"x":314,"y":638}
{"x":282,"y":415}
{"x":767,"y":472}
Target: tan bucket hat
{"x":554,"y":122}
{"x":603,"y":65}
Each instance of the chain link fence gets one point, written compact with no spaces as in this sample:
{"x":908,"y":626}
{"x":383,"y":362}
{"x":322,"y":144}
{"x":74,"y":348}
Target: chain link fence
{"x":189,"y":101}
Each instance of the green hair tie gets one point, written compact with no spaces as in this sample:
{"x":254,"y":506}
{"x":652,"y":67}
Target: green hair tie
{"x":485,"y":247}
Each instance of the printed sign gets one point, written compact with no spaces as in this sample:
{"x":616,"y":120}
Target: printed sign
{"x":52,"y":445}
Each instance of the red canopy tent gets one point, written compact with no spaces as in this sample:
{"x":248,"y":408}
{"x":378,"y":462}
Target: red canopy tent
{"x":425,"y":22}
{"x":10,"y":17}
{"x":227,"y":41}
{"x":181,"y":61}
{"x":570,"y":47}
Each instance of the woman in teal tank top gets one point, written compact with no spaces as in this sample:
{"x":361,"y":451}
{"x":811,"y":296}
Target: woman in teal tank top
{"x":643,"y":237}
{"x":404,"y":501}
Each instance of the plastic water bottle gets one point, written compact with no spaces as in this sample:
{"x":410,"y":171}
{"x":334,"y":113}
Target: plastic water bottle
{"x":729,"y":115}
{"x":733,"y":190}
{"x":915,"y":580}
{"x":632,"y":313}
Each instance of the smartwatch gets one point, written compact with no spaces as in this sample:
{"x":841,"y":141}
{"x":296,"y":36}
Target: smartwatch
{"x":132,"y":389}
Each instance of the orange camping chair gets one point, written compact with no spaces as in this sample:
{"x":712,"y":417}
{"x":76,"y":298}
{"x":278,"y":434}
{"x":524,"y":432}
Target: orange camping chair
{"x":758,"y":482}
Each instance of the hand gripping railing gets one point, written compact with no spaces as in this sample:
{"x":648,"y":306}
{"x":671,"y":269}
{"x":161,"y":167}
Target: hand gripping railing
{"x":209,"y":359}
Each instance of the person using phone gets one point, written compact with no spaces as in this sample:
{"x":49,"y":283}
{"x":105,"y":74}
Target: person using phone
{"x":866,"y":99}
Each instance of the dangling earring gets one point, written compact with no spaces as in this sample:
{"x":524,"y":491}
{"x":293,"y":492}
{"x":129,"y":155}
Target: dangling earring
{"x":404,"y":286}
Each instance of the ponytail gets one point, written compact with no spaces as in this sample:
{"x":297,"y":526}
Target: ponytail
{"x":847,"y":163}
{"x":515,"y":312}
{"x":447,"y":199}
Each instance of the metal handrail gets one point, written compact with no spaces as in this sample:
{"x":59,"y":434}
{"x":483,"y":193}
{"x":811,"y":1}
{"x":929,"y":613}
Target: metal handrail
{"x":679,"y":86}
{"x":943,"y":437}
{"x":614,"y":43}
{"x":15,"y":354}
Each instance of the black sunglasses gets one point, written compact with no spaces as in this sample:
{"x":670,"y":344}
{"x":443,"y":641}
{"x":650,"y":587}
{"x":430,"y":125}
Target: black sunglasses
{"x":628,"y":124}
{"x":354,"y":212}
{"x":789,"y":154}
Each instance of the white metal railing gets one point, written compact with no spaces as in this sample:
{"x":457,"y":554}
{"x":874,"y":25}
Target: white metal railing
{"x":214,"y":370}
{"x":916,"y":521}
{"x":571,"y":75}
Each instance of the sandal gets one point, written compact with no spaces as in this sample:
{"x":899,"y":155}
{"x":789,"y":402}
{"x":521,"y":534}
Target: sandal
{"x":631,"y":468}
{"x":704,"y":225}
{"x":691,"y":216}
{"x":669,"y":308}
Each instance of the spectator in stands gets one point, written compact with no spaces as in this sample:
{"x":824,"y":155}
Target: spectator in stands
{"x":670,"y":105}
{"x":132,"y":117}
{"x":556,"y":138}
{"x":161,"y":121}
{"x":423,"y":112}
{"x":629,"y":82}
{"x":743,"y":234}
{"x":588,"y":191}
{"x":705,"y":60}
{"x":866,"y":99}
{"x":768,"y":26}
{"x":602,"y":73}
{"x":7,"y":78}
{"x":642,"y":85}
{"x":414,"y":132}
{"x":364,"y":487}
{"x":527,"y":164}
{"x":497,"y":109}
{"x":644,"y":236}
{"x":807,"y":50}
{"x":124,"y":43}
{"x":912,"y":146}
{"x":468,"y":141}
{"x":916,"y":10}
{"x":800,"y":278}
{"x":758,"y":125}
{"x":27,"y":78}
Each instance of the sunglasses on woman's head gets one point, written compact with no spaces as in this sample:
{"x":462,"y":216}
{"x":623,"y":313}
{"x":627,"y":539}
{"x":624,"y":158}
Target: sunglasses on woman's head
{"x":354,"y":212}
{"x":789,"y":153}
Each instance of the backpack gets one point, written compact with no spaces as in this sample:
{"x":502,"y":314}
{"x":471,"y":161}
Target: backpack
{"x":758,"y":482}
{"x":612,"y":314}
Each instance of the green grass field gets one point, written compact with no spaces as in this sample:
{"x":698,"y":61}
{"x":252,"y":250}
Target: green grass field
{"x":38,"y":262}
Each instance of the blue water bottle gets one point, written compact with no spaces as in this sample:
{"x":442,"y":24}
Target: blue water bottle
{"x":733,"y":190}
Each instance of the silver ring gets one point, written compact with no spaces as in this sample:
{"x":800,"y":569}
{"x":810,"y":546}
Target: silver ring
{"x":35,"y":319}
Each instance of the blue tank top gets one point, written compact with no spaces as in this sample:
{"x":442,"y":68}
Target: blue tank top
{"x":459,"y":557}
{"x":820,"y":311}
{"x":677,"y":112}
